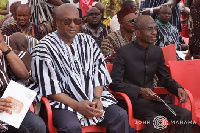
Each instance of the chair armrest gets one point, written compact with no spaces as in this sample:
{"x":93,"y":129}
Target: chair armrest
{"x":49,"y":114}
{"x":124,"y":97}
{"x":192,"y":103}
{"x":162,"y":90}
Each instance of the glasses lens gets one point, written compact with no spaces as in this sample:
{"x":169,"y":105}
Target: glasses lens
{"x":77,"y":21}
{"x":131,"y":20}
{"x":67,"y":21}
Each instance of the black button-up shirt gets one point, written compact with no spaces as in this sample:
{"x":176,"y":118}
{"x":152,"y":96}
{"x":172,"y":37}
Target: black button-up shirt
{"x":134,"y":68}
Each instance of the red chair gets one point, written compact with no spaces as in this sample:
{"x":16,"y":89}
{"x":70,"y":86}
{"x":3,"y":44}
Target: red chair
{"x":32,"y":108}
{"x":109,"y":67}
{"x":187,"y":74}
{"x":52,"y":129}
{"x":186,"y":40}
{"x":169,"y":53}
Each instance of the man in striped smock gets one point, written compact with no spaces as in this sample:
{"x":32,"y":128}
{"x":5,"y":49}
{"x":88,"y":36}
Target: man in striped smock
{"x":69,"y":69}
{"x":15,"y":65}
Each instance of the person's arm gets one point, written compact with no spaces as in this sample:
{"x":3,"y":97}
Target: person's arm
{"x":16,"y":64}
{"x":5,"y":12}
{"x":117,"y":76}
{"x":55,"y":2}
{"x":147,"y":11}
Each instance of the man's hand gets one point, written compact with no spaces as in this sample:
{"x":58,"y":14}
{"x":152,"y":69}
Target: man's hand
{"x":145,"y":11}
{"x":98,"y":106}
{"x":3,"y":46}
{"x":182,"y":95}
{"x":86,"y":109}
{"x":188,"y":56}
{"x":147,"y":93}
{"x":5,"y":104}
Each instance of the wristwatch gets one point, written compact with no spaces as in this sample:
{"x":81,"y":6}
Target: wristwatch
{"x":96,"y":97}
{"x":7,"y":51}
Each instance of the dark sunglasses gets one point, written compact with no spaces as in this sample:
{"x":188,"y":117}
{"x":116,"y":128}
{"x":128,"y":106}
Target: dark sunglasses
{"x":131,"y":20}
{"x":68,"y":21}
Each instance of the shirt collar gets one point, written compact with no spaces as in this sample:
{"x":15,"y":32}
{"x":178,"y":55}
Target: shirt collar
{"x":161,"y":24}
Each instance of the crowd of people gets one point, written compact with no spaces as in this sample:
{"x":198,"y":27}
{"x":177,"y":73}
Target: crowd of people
{"x":60,"y":51}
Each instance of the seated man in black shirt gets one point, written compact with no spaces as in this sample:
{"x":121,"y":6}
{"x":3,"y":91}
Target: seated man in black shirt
{"x":134,"y":67}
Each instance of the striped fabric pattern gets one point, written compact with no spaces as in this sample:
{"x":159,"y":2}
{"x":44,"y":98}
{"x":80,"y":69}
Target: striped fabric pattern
{"x":40,"y":11}
{"x":175,"y":21}
{"x":168,"y":34}
{"x":113,"y":41}
{"x":97,"y":35}
{"x":31,"y":43}
{"x":33,"y":30}
{"x":56,"y":70}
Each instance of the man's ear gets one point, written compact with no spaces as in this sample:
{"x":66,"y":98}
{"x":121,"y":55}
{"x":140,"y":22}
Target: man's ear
{"x":137,"y":33}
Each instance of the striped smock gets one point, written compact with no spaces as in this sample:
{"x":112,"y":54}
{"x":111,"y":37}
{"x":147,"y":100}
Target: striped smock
{"x":56,"y":70}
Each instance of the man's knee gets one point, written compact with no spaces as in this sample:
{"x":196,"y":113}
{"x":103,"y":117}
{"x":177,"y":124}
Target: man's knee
{"x":185,"y":114}
{"x":72,"y":127}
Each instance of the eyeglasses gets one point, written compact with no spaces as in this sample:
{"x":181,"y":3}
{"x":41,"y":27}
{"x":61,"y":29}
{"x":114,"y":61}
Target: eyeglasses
{"x":68,"y":21}
{"x":130,"y":20}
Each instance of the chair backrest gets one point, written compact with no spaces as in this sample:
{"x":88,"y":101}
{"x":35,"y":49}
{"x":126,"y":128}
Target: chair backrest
{"x":187,"y":74}
{"x":109,"y":67}
{"x":186,"y":40}
{"x":169,"y":53}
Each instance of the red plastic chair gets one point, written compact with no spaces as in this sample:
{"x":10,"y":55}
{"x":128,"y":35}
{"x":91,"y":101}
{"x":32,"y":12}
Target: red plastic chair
{"x":32,"y":108}
{"x":186,"y":40}
{"x":52,"y":129}
{"x":187,"y":74}
{"x":169,"y":53}
{"x":109,"y":67}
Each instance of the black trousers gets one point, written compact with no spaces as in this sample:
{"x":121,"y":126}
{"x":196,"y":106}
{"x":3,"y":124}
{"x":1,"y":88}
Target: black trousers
{"x":115,"y":120}
{"x":148,"y":111}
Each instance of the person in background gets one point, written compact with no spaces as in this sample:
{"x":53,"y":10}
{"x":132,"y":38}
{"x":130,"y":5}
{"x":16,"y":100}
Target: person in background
{"x":105,"y":21}
{"x":114,"y":23}
{"x":41,"y":10}
{"x":94,"y":27}
{"x":11,"y":19}
{"x":23,"y":24}
{"x":152,"y":7}
{"x":194,"y":28}
{"x":49,"y":26}
{"x":133,"y":70}
{"x":168,"y":34}
{"x":113,"y":41}
{"x":73,"y":76}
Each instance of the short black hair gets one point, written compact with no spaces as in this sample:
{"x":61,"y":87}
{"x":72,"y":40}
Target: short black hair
{"x":128,"y":3}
